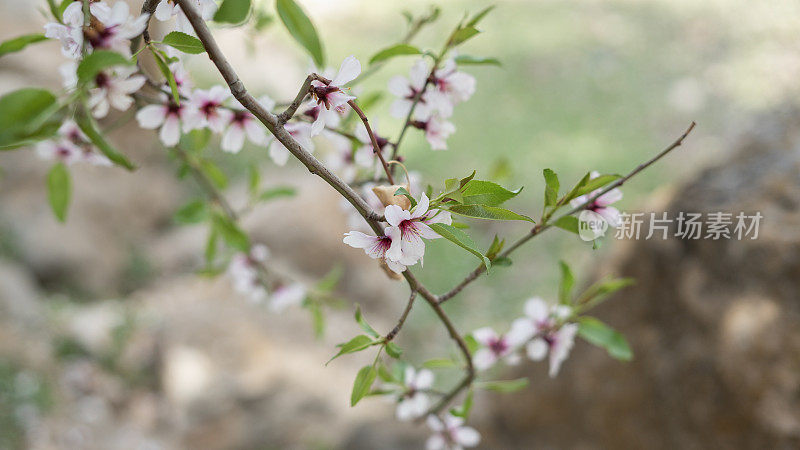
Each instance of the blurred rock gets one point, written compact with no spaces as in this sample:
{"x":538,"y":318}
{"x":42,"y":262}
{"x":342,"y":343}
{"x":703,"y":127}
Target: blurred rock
{"x":713,"y":325}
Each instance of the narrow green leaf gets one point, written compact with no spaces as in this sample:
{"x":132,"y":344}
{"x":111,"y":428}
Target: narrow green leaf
{"x":88,"y":127}
{"x":472,"y":344}
{"x":462,"y":35}
{"x":301,"y":28}
{"x":231,"y":233}
{"x":478,"y":17}
{"x":488,"y":212}
{"x":18,"y":43}
{"x":356,"y":344}
{"x":193,"y":212}
{"x":552,"y":187}
{"x":479,"y":192}
{"x":395,"y":50}
{"x":317,"y":319}
{"x":98,"y":61}
{"x":603,"y":288}
{"x":596,"y":183}
{"x":184,"y":42}
{"x":601,"y":335}
{"x":161,"y":62}
{"x":466,"y":407}
{"x":277,"y":192}
{"x":59,"y":189}
{"x":468,"y":60}
{"x":254,"y":180}
{"x":461,"y":239}
{"x":439,"y":363}
{"x":363,"y":383}
{"x":504,"y":386}
{"x":567,"y":282}
{"x":569,"y":223}
{"x":211,"y":246}
{"x":404,"y":191}
{"x":394,"y":350}
{"x":232,"y":11}
{"x":384,"y":374}
{"x":328,"y":283}
{"x":214,"y":173}
{"x":196,"y":140}
{"x":495,"y":248}
{"x":501,"y":262}
{"x":363,"y":323}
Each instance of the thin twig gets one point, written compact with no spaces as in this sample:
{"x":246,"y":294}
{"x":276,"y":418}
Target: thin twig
{"x":301,"y":95}
{"x":205,"y":183}
{"x":538,"y":229}
{"x":376,"y":149}
{"x":402,"y":319}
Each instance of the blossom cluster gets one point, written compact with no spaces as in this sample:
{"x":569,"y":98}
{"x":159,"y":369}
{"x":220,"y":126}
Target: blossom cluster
{"x":244,"y":271}
{"x":70,"y":147}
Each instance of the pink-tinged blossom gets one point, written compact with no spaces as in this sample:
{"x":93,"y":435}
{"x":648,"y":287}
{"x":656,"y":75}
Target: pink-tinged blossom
{"x":332,"y":96}
{"x":551,"y":334}
{"x":407,"y":89}
{"x":71,"y":146}
{"x":206,"y":108}
{"x":243,"y":271}
{"x":58,"y":150}
{"x":243,"y":124}
{"x":287,"y":295}
{"x":301,"y":132}
{"x":497,"y":347}
{"x":451,"y":434}
{"x":111,"y":28}
{"x":413,"y":226}
{"x":322,"y":117}
{"x":456,"y":86}
{"x":412,"y":401}
{"x":70,"y":33}
{"x":168,"y":8}
{"x":169,"y":117}
{"x":601,"y":205}
{"x":113,"y":88}
{"x":386,"y":247}
{"x":437,"y":130}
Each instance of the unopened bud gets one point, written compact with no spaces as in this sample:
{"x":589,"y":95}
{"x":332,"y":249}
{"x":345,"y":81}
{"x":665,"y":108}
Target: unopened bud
{"x":386,"y":196}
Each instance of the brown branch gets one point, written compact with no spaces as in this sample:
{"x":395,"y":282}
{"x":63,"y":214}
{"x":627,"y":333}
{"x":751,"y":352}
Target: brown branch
{"x":403,"y":318}
{"x":301,"y":95}
{"x":271,"y":121}
{"x":376,"y":149}
{"x":538,"y":229}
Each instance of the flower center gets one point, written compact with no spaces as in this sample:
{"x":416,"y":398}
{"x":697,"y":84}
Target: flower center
{"x":498,"y":346}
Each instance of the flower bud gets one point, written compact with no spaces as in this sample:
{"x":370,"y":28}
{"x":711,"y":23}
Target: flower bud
{"x":386,"y":196}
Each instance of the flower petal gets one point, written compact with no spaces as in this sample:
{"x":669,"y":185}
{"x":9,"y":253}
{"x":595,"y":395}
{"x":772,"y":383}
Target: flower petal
{"x":348,"y":71}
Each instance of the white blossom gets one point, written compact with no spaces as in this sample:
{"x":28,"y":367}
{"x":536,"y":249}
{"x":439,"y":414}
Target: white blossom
{"x":113,"y":88}
{"x":412,"y":401}
{"x":451,"y":434}
{"x":166,"y":9}
{"x":497,"y":347}
{"x":551,"y":335}
{"x":301,"y":132}
{"x":601,"y":205}
{"x":169,"y":117}
{"x":332,"y":96}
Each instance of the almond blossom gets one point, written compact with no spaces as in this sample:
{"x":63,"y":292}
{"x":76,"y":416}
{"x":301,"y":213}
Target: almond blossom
{"x":287,"y":295}
{"x":301,"y":132}
{"x":364,"y":155}
{"x":322,"y":117}
{"x":451,"y":434}
{"x":72,"y":146}
{"x":407,"y":89}
{"x":413,"y":226}
{"x":600,"y":205}
{"x":501,"y":347}
{"x":437,"y":130}
{"x":244,"y":273}
{"x":168,"y":8}
{"x":456,"y":86}
{"x":113,"y":88}
{"x":243,"y":123}
{"x":169,"y":117}
{"x":206,"y":108}
{"x":386,"y":247}
{"x":412,"y":402}
{"x":340,"y":159}
{"x":332,"y":96}
{"x":551,"y":335}
{"x":111,"y":28}
{"x":70,"y":32}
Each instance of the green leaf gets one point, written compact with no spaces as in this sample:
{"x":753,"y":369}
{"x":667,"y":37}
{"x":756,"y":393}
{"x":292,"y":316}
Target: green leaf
{"x":385,"y":375}
{"x":461,"y":239}
{"x":193,"y":212}
{"x":574,"y":192}
{"x":478,"y":17}
{"x":439,"y":363}
{"x":504,"y":386}
{"x":488,"y":212}
{"x":211,"y":246}
{"x":214,"y":173}
{"x":468,"y":60}
{"x":596,"y":183}
{"x":161,"y":62}
{"x":363,"y":323}
{"x":363,"y":383}
{"x":328,"y":283}
{"x":495,"y":248}
{"x":21,"y":109}
{"x":552,"y":187}
{"x":603,"y":288}
{"x":277,"y":192}
{"x":501,"y":262}
{"x":404,"y":191}
{"x":301,"y":28}
{"x":569,"y":223}
{"x":317,"y":319}
{"x":472,"y":344}
{"x":395,"y":50}
{"x":567,"y":282}
{"x":465,"y":409}
{"x":87,"y":125}
{"x":231,"y":233}
{"x":232,"y":11}
{"x":394,"y":350}
{"x":184,"y":42}
{"x":254,"y":180}
{"x":462,"y":35}
{"x":58,"y":190}
{"x":98,"y":61}
{"x":196,"y":140}
{"x":18,"y":43}
{"x":356,"y":344}
{"x":601,"y":335}
{"x":478,"y":192}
